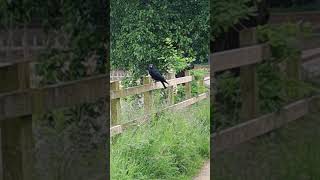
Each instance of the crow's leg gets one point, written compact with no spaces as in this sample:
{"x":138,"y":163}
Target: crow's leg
{"x":163,"y":84}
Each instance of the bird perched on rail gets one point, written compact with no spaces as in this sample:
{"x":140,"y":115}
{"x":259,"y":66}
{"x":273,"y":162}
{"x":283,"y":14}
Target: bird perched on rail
{"x":155,"y":74}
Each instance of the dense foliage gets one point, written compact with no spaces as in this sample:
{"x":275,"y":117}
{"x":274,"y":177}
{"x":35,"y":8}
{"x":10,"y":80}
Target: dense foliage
{"x":169,"y":34}
{"x":224,"y":15}
{"x":67,"y":140}
{"x":81,"y":26}
{"x":275,"y":87}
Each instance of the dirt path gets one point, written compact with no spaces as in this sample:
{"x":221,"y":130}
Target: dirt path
{"x":204,"y":173}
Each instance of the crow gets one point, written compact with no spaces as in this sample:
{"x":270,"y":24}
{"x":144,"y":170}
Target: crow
{"x":155,"y":74}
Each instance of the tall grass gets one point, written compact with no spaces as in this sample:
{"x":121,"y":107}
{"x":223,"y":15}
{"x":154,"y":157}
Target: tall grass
{"x":171,"y":146}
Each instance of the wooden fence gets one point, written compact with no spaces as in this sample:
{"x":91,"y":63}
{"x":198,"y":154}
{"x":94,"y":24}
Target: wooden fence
{"x":146,"y":89}
{"x":312,"y":17}
{"x":118,"y":75}
{"x":19,"y":101}
{"x":246,"y":58}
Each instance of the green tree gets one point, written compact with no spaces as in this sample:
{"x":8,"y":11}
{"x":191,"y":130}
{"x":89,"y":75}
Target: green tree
{"x":158,"y":32}
{"x":224,"y":15}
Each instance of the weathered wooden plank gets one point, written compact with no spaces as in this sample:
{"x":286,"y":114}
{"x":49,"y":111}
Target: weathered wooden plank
{"x":120,"y":128}
{"x":72,"y":93}
{"x":17,"y":148}
{"x":296,"y":110}
{"x":310,"y":54}
{"x":307,"y":16}
{"x":188,"y":102}
{"x":258,"y":126}
{"x":314,"y":105}
{"x":144,"y":88}
{"x":248,"y":80}
{"x":147,"y":96}
{"x":20,"y":103}
{"x":116,"y":130}
{"x":16,"y":133}
{"x":171,"y":89}
{"x":249,"y":92}
{"x":15,"y":104}
{"x":115,"y":105}
{"x":238,"y":57}
{"x":188,"y":86}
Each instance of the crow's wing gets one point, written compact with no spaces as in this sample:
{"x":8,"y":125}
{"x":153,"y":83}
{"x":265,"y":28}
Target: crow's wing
{"x":155,"y":74}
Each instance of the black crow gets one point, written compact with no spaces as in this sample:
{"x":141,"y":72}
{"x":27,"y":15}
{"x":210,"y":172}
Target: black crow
{"x":155,"y":74}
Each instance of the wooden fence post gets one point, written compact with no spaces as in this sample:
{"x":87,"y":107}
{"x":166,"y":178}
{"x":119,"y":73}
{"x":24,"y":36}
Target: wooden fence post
{"x":147,"y":96}
{"x":16,"y":133}
{"x":248,"y":80}
{"x":171,"y":89}
{"x":188,"y":86}
{"x":115,"y":104}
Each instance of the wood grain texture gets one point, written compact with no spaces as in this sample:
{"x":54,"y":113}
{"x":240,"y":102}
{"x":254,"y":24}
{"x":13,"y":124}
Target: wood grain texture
{"x":148,"y":87}
{"x":35,"y":100}
{"x":238,"y":57}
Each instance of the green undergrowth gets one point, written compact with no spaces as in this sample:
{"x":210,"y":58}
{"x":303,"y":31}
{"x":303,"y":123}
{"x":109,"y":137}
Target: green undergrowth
{"x":171,"y":146}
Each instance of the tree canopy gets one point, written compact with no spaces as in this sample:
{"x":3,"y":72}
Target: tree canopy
{"x":169,"y":34}
{"x":224,"y":15}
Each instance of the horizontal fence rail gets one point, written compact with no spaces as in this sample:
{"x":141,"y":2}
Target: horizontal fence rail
{"x":35,"y":100}
{"x":148,"y":87}
{"x":252,"y":124}
{"x":239,"y":57}
{"x":243,"y":132}
{"x":312,"y":16}
{"x":25,"y":44}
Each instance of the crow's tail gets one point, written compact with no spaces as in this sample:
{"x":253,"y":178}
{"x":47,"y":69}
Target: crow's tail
{"x":163,"y":84}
